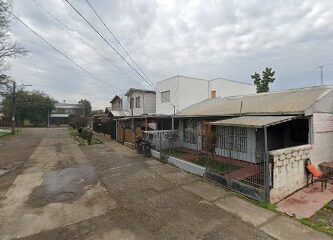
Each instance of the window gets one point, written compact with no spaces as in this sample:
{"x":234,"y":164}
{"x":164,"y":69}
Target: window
{"x":137,"y":102}
{"x":232,"y":138}
{"x":131,"y":103}
{"x":213,"y":94}
{"x":165,"y":96}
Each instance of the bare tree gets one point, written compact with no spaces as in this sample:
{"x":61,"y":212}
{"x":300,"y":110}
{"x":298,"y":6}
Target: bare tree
{"x":8,"y":46}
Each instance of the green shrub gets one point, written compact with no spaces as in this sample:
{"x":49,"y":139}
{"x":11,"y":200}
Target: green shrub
{"x":77,"y":122}
{"x":87,"y":134}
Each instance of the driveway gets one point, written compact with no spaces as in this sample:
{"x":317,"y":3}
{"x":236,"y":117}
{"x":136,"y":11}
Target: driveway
{"x":105,"y":191}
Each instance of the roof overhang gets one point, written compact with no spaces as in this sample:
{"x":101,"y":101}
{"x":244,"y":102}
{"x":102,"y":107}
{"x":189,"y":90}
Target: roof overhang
{"x":253,"y":121}
{"x":59,"y":115}
{"x":115,"y":98}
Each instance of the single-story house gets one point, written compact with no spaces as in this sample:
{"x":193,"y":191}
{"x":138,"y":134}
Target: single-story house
{"x":280,"y":129}
{"x":127,"y":134}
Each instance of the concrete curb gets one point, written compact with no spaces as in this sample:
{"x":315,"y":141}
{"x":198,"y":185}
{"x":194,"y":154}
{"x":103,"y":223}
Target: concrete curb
{"x":187,"y":166}
{"x":155,"y":154}
{"x":274,"y":224}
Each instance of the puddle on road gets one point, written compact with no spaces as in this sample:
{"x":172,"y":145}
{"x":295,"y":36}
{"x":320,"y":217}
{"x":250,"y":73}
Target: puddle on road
{"x":64,"y":185}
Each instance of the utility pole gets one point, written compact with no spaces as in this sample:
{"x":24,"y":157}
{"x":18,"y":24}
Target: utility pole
{"x":13,"y":107}
{"x":321,"y":67}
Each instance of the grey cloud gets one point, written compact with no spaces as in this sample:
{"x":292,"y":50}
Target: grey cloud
{"x":204,"y":39}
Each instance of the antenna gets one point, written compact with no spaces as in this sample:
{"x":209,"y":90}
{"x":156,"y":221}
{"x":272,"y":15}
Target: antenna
{"x":321,"y":67}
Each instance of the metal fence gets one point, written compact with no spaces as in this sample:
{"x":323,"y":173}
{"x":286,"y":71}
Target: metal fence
{"x":246,"y":172}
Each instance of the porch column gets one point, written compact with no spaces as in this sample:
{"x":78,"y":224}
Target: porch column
{"x":266,"y":168}
{"x":146,"y":124}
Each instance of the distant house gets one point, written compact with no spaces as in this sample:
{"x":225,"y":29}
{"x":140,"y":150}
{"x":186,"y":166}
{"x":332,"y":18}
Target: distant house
{"x":141,"y":101}
{"x":62,"y":111}
{"x":118,"y":108}
{"x":106,"y":123}
{"x":179,"y":92}
{"x":142,"y":116}
{"x":172,"y":95}
{"x":288,"y":126}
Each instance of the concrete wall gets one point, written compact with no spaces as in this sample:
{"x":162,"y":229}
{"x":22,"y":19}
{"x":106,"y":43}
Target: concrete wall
{"x":191,"y":91}
{"x":289,"y":173}
{"x":187,"y":166}
{"x":148,"y":103}
{"x":226,"y":88}
{"x":171,"y":85}
{"x":186,"y":91}
{"x":322,"y":138}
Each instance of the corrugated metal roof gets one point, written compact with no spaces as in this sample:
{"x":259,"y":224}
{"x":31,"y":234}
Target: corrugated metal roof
{"x":120,"y":113}
{"x":253,"y":121}
{"x":67,"y":105}
{"x":138,"y":90}
{"x":274,"y":103}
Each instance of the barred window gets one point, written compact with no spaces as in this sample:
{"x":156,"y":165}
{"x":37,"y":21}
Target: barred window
{"x":232,"y":138}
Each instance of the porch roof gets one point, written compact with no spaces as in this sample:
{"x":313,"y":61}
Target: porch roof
{"x":253,"y":121}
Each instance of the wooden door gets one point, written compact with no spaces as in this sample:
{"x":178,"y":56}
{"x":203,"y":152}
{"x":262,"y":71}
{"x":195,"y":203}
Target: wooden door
{"x":206,"y":133}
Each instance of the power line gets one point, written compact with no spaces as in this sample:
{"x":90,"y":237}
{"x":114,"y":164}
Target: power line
{"x":109,"y":44}
{"x":77,"y":35}
{"x":115,"y":38}
{"x":60,"y":52}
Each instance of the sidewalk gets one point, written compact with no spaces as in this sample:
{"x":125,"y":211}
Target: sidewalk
{"x":276,"y":225}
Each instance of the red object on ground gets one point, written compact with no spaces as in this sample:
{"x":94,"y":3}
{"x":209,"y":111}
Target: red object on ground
{"x":313,"y":171}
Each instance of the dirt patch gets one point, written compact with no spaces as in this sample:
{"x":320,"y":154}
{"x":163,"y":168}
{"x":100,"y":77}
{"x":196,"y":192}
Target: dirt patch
{"x":62,"y":164}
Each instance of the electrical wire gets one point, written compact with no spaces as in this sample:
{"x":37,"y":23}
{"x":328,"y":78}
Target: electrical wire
{"x":81,"y":38}
{"x":114,"y":49}
{"x":60,"y":52}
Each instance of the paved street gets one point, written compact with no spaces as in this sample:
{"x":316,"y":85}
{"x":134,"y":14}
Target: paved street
{"x":54,"y":189}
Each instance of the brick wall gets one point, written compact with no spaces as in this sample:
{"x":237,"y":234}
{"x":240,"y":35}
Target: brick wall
{"x":289,"y":172}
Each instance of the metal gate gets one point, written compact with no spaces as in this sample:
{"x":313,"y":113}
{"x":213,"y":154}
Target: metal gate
{"x":250,"y":178}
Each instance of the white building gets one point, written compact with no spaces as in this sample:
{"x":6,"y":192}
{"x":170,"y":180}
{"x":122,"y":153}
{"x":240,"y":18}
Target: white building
{"x":141,"y":101}
{"x":184,"y":91}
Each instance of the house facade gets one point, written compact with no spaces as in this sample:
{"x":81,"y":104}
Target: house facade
{"x":62,"y":111}
{"x":141,"y":101}
{"x":266,"y":136}
{"x":179,"y":92}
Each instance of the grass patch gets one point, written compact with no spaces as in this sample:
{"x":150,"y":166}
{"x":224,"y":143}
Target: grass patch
{"x":267,"y":206}
{"x":217,"y":165}
{"x":4,"y":132}
{"x":82,"y":142}
{"x":174,"y":153}
{"x":319,"y":226}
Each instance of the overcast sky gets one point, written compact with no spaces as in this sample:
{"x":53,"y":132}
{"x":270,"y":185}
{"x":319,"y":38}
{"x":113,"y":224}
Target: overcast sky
{"x":204,"y":39}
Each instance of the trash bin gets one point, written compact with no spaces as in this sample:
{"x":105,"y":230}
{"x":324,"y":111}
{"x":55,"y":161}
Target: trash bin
{"x":138,"y":145}
{"x":139,"y":149}
{"x":146,"y":148}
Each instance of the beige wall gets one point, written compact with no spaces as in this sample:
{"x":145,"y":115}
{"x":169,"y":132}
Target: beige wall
{"x":289,"y":173}
{"x":322,"y":138}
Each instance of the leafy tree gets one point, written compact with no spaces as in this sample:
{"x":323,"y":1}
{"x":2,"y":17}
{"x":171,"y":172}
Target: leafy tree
{"x":33,"y":106}
{"x":262,"y":82}
{"x":8,"y":46}
{"x":86,"y":105}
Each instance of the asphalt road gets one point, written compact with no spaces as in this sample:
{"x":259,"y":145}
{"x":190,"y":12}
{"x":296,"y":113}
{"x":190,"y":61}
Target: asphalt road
{"x":53,"y":189}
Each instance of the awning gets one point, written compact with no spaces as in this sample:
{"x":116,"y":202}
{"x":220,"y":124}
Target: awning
{"x":253,"y":121}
